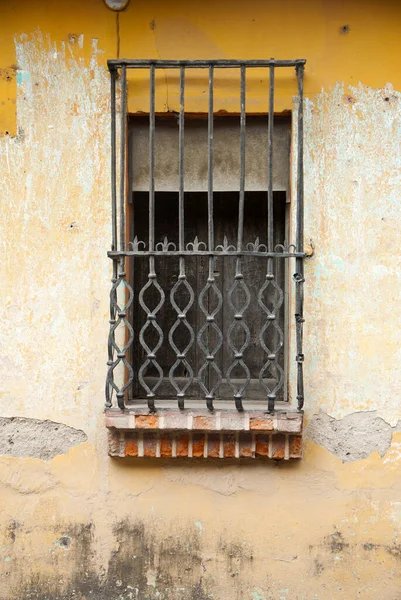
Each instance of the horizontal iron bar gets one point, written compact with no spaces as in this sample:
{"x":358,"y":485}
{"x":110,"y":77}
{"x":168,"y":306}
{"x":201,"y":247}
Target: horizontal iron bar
{"x":118,"y":254}
{"x":117,"y":63}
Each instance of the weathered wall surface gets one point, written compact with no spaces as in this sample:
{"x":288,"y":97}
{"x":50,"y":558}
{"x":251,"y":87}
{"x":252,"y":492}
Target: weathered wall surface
{"x":75,"y":524}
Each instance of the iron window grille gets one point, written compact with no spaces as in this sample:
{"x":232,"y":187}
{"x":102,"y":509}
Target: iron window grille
{"x":206,"y":335}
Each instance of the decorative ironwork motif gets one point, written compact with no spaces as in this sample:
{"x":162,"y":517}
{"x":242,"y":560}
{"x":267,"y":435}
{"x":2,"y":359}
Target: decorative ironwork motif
{"x":136,"y":245}
{"x":117,"y":354}
{"x":282,"y":248}
{"x":151,"y":360}
{"x":256,"y":246}
{"x":271,"y":366}
{"x":166,"y":246}
{"x":196,"y":246}
{"x":209,"y":367}
{"x":225,"y":246}
{"x":237,"y":327}
{"x":181,"y":322}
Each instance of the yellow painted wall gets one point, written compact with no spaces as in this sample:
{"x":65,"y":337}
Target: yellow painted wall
{"x":367,"y":51}
{"x":84,"y":526}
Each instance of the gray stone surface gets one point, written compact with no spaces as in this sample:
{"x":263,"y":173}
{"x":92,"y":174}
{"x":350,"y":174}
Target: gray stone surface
{"x":34,"y":438}
{"x":352,"y":438}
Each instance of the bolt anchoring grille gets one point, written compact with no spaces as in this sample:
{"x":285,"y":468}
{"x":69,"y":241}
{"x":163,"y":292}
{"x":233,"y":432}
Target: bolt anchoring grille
{"x":199,"y":288}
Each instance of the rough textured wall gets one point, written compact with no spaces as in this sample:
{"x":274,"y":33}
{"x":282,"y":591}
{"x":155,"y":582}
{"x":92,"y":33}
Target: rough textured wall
{"x":80,"y":525}
{"x":55,"y":228}
{"x":353,"y":161}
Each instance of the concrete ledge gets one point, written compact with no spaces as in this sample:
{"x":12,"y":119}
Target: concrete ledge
{"x":200,"y":434}
{"x":203,"y":420}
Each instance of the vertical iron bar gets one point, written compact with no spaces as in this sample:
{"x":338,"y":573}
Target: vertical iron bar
{"x":152,"y":272}
{"x":112,"y":321}
{"x":210,"y":228}
{"x":210,"y":163}
{"x":152,"y":161}
{"x":242,"y":163}
{"x":270,"y":221}
{"x":238,"y":268}
{"x":181,"y":161}
{"x":299,"y":263}
{"x":181,"y":216}
{"x":270,"y":225}
{"x":113,"y":161}
{"x":122,"y":155}
{"x":121,"y":269}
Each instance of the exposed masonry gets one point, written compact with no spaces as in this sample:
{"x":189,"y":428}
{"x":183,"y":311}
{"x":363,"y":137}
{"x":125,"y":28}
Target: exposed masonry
{"x":33,"y":438}
{"x":352,"y":438}
{"x":197,"y":434}
{"x":148,"y":444}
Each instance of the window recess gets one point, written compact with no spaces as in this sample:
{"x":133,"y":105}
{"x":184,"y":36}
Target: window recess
{"x":202,"y":248}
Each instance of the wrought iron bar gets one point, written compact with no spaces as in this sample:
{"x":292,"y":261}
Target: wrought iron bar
{"x":152,"y":161}
{"x":122,"y":155}
{"x":196,"y":64}
{"x":216,"y":252}
{"x":152,"y":284}
{"x":181,"y":125}
{"x":120,"y":310}
{"x":112,"y":321}
{"x":182,"y":282}
{"x":210,"y":368}
{"x":113,"y":161}
{"x":299,"y":264}
{"x":270,"y":286}
{"x":270,"y":133}
{"x":239,"y":326}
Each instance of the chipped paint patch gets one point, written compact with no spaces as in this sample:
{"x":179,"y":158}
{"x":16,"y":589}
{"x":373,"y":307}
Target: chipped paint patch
{"x":198,"y":524}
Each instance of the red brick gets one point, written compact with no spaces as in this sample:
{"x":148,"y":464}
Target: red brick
{"x":131,"y":447}
{"x":245,"y":446}
{"x":278,"y":447}
{"x":295,"y":442}
{"x":204,"y":423}
{"x":213,"y":450}
{"x":166,"y":447}
{"x":261,"y":424}
{"x":198,"y":445}
{"x":262,"y":445}
{"x":182,"y":445}
{"x":229,"y":446}
{"x":149,"y":445}
{"x":146,"y":421}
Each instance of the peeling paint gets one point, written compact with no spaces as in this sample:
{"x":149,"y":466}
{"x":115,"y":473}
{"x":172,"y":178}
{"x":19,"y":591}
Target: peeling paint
{"x":33,"y":438}
{"x":352,"y":438}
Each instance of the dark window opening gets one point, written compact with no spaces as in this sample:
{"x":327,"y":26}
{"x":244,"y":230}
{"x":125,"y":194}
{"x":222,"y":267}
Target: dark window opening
{"x":167,"y":269}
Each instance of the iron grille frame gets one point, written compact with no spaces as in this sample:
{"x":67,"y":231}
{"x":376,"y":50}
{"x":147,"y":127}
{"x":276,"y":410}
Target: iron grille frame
{"x":120,"y":250}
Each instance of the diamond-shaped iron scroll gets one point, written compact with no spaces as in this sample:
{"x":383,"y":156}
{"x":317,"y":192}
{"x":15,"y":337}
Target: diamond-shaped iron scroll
{"x":117,"y":355}
{"x":180,"y":323}
{"x":236,"y":327}
{"x":210,"y":365}
{"x":271,"y":366}
{"x":152,"y":283}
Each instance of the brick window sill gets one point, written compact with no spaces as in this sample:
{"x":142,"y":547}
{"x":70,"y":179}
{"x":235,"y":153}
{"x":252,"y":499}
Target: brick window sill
{"x":200,"y":434}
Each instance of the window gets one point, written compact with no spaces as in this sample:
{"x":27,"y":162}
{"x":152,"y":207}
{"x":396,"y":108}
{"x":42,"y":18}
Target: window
{"x":202,"y":249}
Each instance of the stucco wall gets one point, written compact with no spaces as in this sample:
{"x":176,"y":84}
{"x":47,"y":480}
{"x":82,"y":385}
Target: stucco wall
{"x":76,"y":524}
